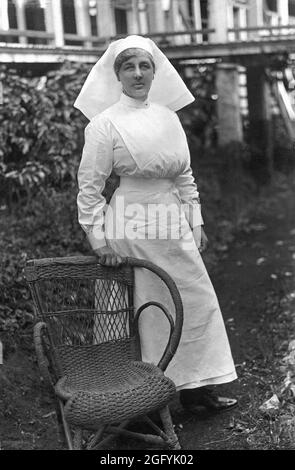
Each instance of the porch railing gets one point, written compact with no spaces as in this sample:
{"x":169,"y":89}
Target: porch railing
{"x":12,"y":37}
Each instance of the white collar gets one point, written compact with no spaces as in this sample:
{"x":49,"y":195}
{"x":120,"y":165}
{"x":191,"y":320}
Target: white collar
{"x":132,"y":102}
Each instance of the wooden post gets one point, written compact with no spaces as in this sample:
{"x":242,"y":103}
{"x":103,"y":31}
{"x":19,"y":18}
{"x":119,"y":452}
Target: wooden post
{"x":48,"y":18}
{"x":230,"y":22}
{"x":58,"y":23}
{"x":218,"y":20}
{"x":21,"y":19}
{"x":4,"y":20}
{"x":228,"y":104}
{"x":260,"y":121}
{"x":255,"y":16}
{"x":173,"y":14}
{"x":156,"y":17}
{"x":105,"y":19}
{"x":243,"y":23}
{"x":82,"y":20}
{"x":179,"y":21}
{"x":133,"y":23}
{"x":255,"y":12}
{"x":283,"y":11}
{"x":135,"y":18}
{"x":197,"y":19}
{"x":142,"y":17}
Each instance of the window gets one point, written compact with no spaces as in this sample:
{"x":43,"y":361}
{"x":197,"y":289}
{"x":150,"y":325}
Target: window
{"x":35,"y":19}
{"x":69,"y":19}
{"x":9,"y":22}
{"x":34,"y":15}
{"x":292,"y":8}
{"x":12,"y":14}
{"x":272,"y":5}
{"x":121,"y":21}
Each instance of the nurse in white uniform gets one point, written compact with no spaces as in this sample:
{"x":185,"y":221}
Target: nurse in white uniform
{"x":131,"y":97}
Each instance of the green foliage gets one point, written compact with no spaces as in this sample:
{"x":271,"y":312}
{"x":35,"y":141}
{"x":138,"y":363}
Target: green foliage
{"x":199,"y":118}
{"x":41,"y":132}
{"x":47,"y":227}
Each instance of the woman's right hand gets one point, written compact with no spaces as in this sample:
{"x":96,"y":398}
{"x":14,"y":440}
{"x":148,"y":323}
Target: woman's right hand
{"x":108,"y":257}
{"x":200,"y":238}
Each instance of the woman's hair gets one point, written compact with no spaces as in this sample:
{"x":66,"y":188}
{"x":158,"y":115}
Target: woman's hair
{"x":127,"y":54}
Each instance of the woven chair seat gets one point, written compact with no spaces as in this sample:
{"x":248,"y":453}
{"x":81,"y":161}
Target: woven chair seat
{"x":133,"y":389}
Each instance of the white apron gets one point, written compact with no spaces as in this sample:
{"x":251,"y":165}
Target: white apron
{"x":203,"y":356}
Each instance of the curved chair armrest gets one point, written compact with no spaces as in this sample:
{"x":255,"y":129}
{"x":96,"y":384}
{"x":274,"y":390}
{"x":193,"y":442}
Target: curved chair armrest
{"x":171,"y":322}
{"x":134,"y":263}
{"x":175,"y":333}
{"x":39,"y":330}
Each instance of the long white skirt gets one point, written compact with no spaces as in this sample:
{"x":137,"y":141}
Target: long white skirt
{"x":203,"y":356}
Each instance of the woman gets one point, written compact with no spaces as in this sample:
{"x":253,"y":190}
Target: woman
{"x":130,"y":97}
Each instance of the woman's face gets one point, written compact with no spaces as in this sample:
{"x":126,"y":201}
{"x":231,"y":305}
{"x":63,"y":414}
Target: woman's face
{"x":136,"y":75}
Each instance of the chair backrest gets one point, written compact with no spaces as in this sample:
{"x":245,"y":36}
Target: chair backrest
{"x":87,"y":307}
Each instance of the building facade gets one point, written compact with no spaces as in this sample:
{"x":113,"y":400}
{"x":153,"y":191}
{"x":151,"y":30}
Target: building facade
{"x":86,"y":22}
{"x":241,"y":36}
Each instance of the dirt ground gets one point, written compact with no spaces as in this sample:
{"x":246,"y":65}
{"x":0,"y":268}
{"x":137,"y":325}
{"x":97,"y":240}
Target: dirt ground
{"x":254,"y":281}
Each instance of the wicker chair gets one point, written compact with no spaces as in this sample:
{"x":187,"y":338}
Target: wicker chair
{"x":88,"y":350}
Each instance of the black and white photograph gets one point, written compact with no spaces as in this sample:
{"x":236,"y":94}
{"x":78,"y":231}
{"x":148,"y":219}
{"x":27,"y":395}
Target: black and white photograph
{"x":147,"y":228}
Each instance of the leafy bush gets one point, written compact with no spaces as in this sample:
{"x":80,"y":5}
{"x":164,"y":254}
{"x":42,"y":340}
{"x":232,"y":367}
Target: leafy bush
{"x":47,"y":227}
{"x":41,"y":132}
{"x":199,"y":118}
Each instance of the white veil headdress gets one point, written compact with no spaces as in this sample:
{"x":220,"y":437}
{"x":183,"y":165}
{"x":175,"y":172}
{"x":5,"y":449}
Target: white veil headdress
{"x":102,"y":88}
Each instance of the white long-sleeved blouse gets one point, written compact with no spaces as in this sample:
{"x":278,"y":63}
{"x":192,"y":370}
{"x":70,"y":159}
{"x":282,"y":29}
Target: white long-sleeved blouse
{"x":138,"y":139}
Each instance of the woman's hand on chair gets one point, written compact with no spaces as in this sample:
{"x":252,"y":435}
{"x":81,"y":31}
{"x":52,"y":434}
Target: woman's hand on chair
{"x":108,"y":257}
{"x":204,"y":241}
{"x":200,"y":238}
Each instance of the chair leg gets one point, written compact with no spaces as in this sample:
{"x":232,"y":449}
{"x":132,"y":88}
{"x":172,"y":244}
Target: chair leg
{"x":77,"y":439}
{"x":106,"y":440}
{"x":66,"y":427}
{"x":60,"y":424}
{"x":95,"y":439}
{"x":173,"y":442}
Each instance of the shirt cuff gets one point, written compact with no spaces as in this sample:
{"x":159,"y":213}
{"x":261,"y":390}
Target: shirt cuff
{"x":95,"y":235}
{"x":193,"y":214}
